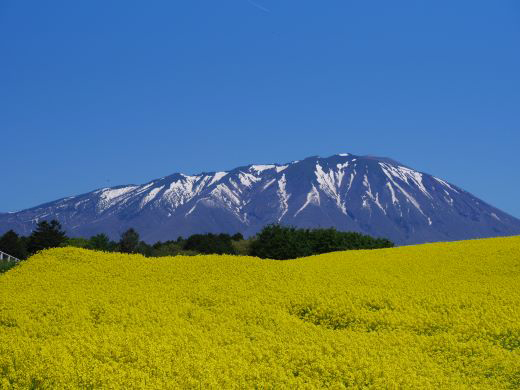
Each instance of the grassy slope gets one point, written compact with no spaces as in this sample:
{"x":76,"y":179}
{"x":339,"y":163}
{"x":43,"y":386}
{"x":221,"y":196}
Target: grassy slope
{"x":428,"y":316}
{"x":6,"y":265}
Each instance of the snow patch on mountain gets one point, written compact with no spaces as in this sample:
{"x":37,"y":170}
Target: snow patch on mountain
{"x":406,"y":175}
{"x":192,"y":209}
{"x":445,"y":184}
{"x":284,"y":196}
{"x":388,"y":172}
{"x":217,"y":177}
{"x":352,"y":176}
{"x":224,"y":196}
{"x":261,"y":168}
{"x":235,"y":185}
{"x":313,"y":197}
{"x":392,"y":193}
{"x":77,"y":204}
{"x":371,"y":196}
{"x":248,"y":179}
{"x":110,"y":197}
{"x":151,"y":196}
{"x":268,"y":184}
{"x":110,"y":194}
{"x":183,"y":190}
{"x":448,"y":198}
{"x":330,"y":183}
{"x":141,"y":189}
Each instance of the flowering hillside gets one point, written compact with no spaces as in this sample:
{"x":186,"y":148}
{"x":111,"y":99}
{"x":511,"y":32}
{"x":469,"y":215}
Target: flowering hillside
{"x":429,"y":316}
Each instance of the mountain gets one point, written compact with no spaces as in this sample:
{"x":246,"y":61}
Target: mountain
{"x":372,"y":195}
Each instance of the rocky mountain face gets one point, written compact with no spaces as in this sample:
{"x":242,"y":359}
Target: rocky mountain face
{"x":372,"y":195}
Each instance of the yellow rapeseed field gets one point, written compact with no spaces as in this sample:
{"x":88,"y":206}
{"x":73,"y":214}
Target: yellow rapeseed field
{"x":436,"y":316}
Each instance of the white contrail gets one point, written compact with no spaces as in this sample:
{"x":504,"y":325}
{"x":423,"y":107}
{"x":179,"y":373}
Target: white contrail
{"x":259,"y":6}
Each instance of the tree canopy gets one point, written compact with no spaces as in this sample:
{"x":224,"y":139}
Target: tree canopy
{"x":129,"y":241}
{"x":210,"y":243}
{"x":282,"y":242}
{"x":273,"y":242}
{"x":13,"y":245}
{"x":46,"y":235}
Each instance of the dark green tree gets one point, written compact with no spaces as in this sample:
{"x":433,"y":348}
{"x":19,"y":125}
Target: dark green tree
{"x":129,"y":241}
{"x":237,"y":237}
{"x":144,"y":249}
{"x":210,"y":243}
{"x":100,"y":242}
{"x":46,"y":235}
{"x":280,"y":242}
{"x":13,"y":245}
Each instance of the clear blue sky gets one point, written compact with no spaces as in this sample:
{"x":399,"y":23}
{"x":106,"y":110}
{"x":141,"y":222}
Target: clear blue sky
{"x":97,"y":93}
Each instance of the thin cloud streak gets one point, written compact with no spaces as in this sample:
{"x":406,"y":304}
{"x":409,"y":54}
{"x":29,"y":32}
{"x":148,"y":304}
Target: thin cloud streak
{"x":259,"y":6}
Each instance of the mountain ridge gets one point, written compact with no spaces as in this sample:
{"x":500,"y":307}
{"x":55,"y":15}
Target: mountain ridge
{"x":373,"y":195}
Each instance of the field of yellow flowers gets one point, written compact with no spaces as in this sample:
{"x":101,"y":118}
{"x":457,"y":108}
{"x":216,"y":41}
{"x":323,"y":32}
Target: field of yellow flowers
{"x":428,"y":316}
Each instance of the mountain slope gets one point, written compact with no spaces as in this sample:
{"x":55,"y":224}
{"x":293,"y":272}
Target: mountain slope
{"x":377,"y":196}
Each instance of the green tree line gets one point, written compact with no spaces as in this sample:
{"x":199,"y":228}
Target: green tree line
{"x":273,"y":242}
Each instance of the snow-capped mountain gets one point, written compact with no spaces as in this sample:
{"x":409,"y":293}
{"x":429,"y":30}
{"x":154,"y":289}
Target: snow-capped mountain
{"x":376,"y":196}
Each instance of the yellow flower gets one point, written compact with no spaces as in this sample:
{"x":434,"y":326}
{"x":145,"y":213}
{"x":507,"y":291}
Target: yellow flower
{"x":436,"y":316}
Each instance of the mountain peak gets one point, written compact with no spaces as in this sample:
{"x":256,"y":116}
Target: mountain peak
{"x":383,"y":159}
{"x":369,"y":194}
